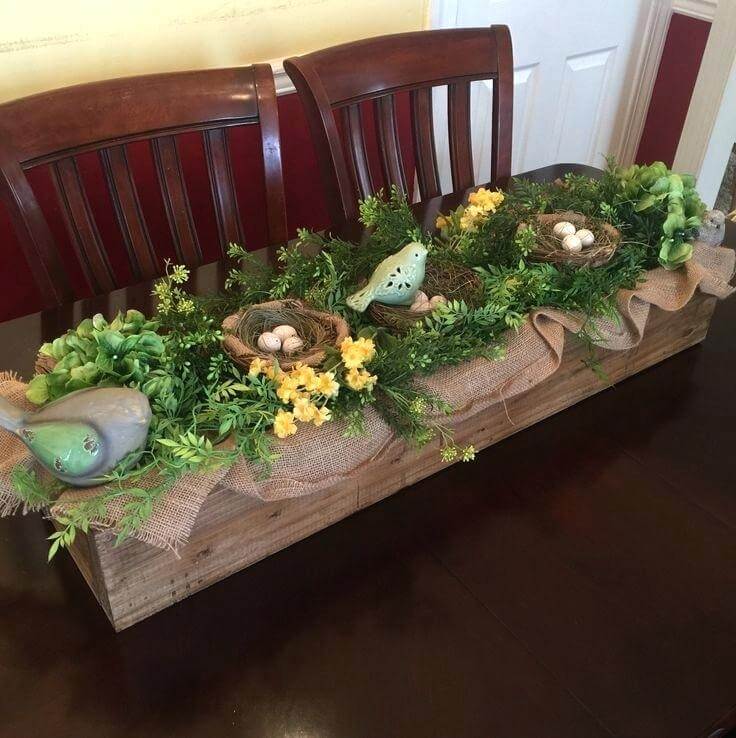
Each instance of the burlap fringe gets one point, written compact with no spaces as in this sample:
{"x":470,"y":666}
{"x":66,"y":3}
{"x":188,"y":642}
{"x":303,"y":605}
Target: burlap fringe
{"x":315,"y":458}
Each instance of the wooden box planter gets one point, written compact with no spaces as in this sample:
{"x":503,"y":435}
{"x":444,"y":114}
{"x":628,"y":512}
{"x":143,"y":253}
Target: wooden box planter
{"x":133,"y":580}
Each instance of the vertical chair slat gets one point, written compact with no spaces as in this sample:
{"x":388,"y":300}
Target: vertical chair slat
{"x":353,"y":121}
{"x":424,"y":146}
{"x":176,"y":200}
{"x":128,"y":212}
{"x":388,"y":139}
{"x":81,"y":225}
{"x":34,"y":235}
{"x":278,"y":232}
{"x":461,"y":153}
{"x":219,"y":166}
{"x":503,"y":108}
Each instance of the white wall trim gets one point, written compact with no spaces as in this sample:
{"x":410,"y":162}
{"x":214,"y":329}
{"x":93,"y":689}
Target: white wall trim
{"x":705,"y":104}
{"x":284,"y":85}
{"x":702,"y":9}
{"x":633,"y":112}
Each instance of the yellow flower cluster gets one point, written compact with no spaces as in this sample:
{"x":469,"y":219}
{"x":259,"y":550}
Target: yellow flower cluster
{"x":357,"y":353}
{"x":360,"y":379}
{"x":259,"y":366}
{"x":480,"y":205}
{"x":299,"y":387}
{"x":354,"y":355}
{"x":487,"y":200}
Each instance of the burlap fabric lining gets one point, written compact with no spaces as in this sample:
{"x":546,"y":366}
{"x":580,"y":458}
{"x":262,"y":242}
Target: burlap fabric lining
{"x":317,"y":458}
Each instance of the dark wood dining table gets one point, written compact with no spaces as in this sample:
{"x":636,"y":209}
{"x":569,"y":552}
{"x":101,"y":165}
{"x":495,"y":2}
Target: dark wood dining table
{"x":577,"y":580}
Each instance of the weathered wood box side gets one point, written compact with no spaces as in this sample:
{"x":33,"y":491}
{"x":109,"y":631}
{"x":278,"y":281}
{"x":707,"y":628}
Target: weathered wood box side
{"x":133,"y":580}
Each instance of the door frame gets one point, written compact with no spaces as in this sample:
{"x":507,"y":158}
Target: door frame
{"x":708,"y":100}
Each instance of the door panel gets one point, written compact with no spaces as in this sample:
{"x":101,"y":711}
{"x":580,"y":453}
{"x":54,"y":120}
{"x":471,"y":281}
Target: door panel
{"x":585,"y":87}
{"x":571,"y":62}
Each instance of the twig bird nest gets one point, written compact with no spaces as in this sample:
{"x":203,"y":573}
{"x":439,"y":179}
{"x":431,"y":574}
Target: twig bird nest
{"x":317,"y":330}
{"x":452,"y":281}
{"x":549,"y":247}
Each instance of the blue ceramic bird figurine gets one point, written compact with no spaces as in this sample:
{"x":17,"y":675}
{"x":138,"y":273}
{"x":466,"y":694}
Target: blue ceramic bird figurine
{"x":395,"y":281}
{"x":83,"y":436}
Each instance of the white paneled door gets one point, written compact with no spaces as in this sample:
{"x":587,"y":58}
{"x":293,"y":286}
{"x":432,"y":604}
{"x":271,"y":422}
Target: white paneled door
{"x":573,"y":65}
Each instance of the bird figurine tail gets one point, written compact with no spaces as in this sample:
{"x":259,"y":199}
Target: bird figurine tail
{"x":360,"y":300}
{"x":11,"y":417}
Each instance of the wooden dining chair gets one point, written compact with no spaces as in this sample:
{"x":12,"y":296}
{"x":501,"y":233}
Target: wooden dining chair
{"x":55,"y":128}
{"x":334,"y":83}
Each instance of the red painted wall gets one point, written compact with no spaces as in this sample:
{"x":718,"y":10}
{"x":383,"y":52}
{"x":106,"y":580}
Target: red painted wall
{"x":304,"y":198}
{"x":673,"y":88}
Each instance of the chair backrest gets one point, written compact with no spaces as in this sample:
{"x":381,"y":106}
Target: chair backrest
{"x":338,"y":80}
{"x":55,"y":128}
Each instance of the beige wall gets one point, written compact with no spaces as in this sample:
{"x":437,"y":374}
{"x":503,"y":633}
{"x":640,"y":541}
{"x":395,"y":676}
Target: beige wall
{"x":52,"y":43}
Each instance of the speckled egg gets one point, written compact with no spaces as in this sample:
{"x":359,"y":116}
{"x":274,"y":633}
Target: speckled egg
{"x":269,"y":342}
{"x":292,"y":345}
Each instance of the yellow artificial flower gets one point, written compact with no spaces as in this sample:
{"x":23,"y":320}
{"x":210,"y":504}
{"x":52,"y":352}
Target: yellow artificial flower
{"x":486,"y":200}
{"x":304,"y":410}
{"x":441,"y":222}
{"x":288,"y":389}
{"x":326,"y":384}
{"x":359,"y":379}
{"x":283,"y":424}
{"x":270,"y":371}
{"x":321,"y":415}
{"x":305,"y":376}
{"x":257,"y":366}
{"x":471,"y":217}
{"x":357,"y":353}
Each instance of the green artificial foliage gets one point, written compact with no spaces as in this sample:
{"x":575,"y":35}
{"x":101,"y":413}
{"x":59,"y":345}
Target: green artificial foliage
{"x":99,"y":354}
{"x":658,"y":207}
{"x":207,"y":412}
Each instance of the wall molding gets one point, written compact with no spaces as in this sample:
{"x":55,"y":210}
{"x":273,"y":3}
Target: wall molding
{"x":284,"y":85}
{"x":701,"y":9}
{"x":718,"y":60}
{"x":633,"y":112}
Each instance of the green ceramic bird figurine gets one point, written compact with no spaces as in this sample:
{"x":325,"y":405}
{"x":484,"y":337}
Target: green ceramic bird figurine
{"x":84,"y":435}
{"x":395,"y":281}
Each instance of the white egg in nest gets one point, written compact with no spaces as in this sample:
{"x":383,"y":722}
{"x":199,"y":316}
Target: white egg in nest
{"x":437,"y":300}
{"x":284,"y":332}
{"x":269,"y":342}
{"x":572,"y":244}
{"x":563,"y":228}
{"x":586,"y":237}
